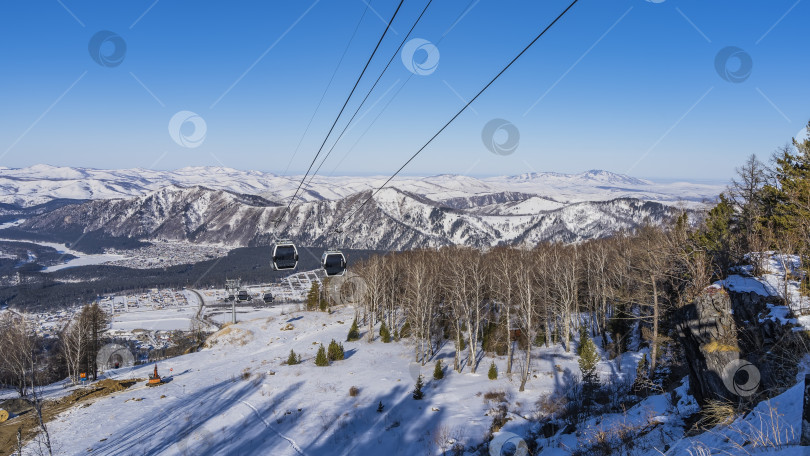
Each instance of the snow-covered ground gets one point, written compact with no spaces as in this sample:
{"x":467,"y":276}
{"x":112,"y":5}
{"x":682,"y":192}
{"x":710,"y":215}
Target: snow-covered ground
{"x":237,"y":398}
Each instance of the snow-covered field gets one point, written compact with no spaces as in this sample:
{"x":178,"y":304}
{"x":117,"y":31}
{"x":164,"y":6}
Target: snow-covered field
{"x":237,"y":398}
{"x":155,"y":320}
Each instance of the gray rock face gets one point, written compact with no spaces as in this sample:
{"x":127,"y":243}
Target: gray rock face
{"x":729,"y":345}
{"x":708,"y":333}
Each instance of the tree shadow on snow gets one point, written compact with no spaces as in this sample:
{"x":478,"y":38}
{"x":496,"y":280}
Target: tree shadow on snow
{"x":172,"y":419}
{"x":405,"y":426}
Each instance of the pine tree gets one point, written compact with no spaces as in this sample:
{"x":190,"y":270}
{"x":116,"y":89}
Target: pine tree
{"x":417,"y":390}
{"x":493,"y":371}
{"x":588,"y":358}
{"x":335,"y":351}
{"x":380,"y":407}
{"x":321,"y":359}
{"x":313,"y":296}
{"x":642,"y":376}
{"x":438,"y":372}
{"x":583,"y":335}
{"x":405,"y":331}
{"x":323,"y":304}
{"x":385,"y":334}
{"x":292,"y":359}
{"x":354,"y":332}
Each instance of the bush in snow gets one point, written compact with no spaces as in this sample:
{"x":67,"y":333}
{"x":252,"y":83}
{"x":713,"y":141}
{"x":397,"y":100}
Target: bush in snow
{"x":405,"y":331}
{"x":354,"y":391}
{"x":417,"y":389}
{"x":320,"y":358}
{"x":335,"y":351}
{"x":493,"y":371}
{"x":385,"y":334}
{"x":354,"y":332}
{"x":293,"y":359}
{"x":438,"y":372}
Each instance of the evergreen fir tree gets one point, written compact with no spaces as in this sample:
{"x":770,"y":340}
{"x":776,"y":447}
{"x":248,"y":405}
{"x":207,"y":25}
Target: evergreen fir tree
{"x":588,"y":358}
{"x":335,"y":351}
{"x":292,"y":359}
{"x":438,"y":372}
{"x":321,"y":359}
{"x":642,"y":376}
{"x":417,"y":390}
{"x":354,"y":332}
{"x":385,"y":334}
{"x":380,"y":407}
{"x":405,"y":331}
{"x":583,"y":334}
{"x":540,"y":339}
{"x":493,"y":371}
{"x":313,"y":296}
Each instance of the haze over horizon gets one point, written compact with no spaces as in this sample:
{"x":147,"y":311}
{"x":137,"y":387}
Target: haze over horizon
{"x":657,"y":90}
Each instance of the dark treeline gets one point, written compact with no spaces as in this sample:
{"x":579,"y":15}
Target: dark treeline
{"x":80,"y":285}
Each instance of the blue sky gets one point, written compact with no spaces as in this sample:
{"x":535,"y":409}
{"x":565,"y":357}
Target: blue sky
{"x":628,"y":86}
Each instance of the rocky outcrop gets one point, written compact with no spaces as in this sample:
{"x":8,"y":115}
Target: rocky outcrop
{"x":730,"y":344}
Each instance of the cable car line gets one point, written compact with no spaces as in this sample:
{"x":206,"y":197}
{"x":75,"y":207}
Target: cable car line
{"x":390,"y":100}
{"x":465,"y":107}
{"x":328,"y":86}
{"x":340,"y":113}
{"x":346,"y":127}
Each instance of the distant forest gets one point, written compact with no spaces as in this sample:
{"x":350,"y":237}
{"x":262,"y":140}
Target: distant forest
{"x":42,"y":291}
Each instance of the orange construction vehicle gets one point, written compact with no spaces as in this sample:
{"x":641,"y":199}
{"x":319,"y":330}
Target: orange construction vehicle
{"x":154,"y":379}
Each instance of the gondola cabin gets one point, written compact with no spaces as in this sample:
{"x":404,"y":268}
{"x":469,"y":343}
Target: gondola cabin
{"x":285,"y":256}
{"x":333,"y":263}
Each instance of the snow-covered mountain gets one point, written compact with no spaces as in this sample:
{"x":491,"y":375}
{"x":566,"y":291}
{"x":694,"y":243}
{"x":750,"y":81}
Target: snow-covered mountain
{"x":393,"y":219}
{"x":41,"y":183}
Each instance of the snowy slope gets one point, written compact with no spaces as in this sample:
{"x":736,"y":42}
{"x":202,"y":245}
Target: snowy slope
{"x":208,"y":408}
{"x":392,"y":220}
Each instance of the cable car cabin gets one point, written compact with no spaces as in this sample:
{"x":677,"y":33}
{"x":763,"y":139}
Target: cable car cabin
{"x":285,"y":256}
{"x":333,"y":262}
{"x":268,"y":298}
{"x":242,"y":295}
